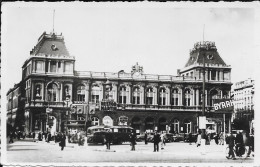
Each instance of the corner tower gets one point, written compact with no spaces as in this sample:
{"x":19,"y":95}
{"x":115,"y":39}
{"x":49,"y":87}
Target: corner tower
{"x":216,"y":69}
{"x":49,"y":57}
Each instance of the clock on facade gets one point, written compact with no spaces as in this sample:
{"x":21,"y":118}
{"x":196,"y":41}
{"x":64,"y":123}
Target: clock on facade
{"x":210,"y":57}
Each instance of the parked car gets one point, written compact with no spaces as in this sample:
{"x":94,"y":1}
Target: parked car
{"x":178,"y":137}
{"x":193,"y":138}
{"x":140,"y":138}
{"x":169,"y":137}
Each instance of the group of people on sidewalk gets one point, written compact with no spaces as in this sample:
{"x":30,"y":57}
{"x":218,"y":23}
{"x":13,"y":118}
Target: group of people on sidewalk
{"x":240,"y":144}
{"x":58,"y":137}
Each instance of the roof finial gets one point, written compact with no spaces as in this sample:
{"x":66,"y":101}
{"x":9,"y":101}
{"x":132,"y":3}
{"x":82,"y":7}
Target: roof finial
{"x":53,"y":21}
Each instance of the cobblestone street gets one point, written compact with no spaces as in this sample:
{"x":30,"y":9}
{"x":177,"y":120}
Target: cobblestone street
{"x":42,"y":152}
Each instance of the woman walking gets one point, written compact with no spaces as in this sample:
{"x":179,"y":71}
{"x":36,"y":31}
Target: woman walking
{"x":133,"y":141}
{"x":62,"y":141}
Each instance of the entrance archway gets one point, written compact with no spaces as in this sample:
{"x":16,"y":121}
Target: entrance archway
{"x":136,"y":123}
{"x":162,"y":124}
{"x":187,"y":126}
{"x":175,"y":126}
{"x":149,"y":124}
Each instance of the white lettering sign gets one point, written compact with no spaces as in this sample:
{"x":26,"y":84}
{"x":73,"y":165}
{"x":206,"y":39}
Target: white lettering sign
{"x":222,"y":105}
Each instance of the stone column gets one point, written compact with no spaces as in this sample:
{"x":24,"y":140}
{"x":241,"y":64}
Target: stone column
{"x":221,"y":75}
{"x":197,"y":97}
{"x":193,"y":98}
{"x":115,"y":92}
{"x":49,"y":66}
{"x":206,"y":98}
{"x":57,"y":66}
{"x":61,"y":91}
{"x":86,"y":92}
{"x":181,"y":97}
{"x":210,"y":75}
{"x":32,"y":91}
{"x":155,"y":95}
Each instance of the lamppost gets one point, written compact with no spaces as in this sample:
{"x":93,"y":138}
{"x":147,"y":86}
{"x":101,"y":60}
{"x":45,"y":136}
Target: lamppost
{"x":67,"y":112}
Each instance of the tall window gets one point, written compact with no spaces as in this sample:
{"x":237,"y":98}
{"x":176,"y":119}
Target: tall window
{"x":53,"y":66}
{"x":187,"y":126}
{"x":66,"y":92}
{"x":122,"y":95}
{"x":175,"y":97}
{"x":162,"y":99}
{"x":136,"y":95}
{"x":176,"y":125}
{"x":213,"y":75}
{"x":187,"y":98}
{"x":149,"y":96}
{"x":38,"y":92}
{"x":95,"y":94}
{"x":67,"y":67}
{"x":81,"y":93}
{"x":214,"y":94}
{"x":52,"y":91}
{"x":39,"y":66}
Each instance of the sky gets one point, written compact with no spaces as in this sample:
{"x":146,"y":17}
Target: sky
{"x":109,"y":37}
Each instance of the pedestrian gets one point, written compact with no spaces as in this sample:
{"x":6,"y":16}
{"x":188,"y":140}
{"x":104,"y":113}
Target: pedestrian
{"x":221,"y":138}
{"x":145,"y":138}
{"x":199,"y":139}
{"x":190,"y":138}
{"x":216,"y":138}
{"x":62,"y":141}
{"x":162,"y":138}
{"x":11,"y":140}
{"x":49,"y":137}
{"x":231,"y":144}
{"x":239,"y":144}
{"x":156,"y":141}
{"x":40,"y":136}
{"x":33,"y":136}
{"x":108,"y":139}
{"x":133,"y":141}
{"x":247,"y":143}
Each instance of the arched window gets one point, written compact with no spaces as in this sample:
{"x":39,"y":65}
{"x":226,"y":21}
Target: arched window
{"x":52,"y":91}
{"x":95,"y":121}
{"x":214,"y":94}
{"x":81,"y":93}
{"x":225,"y":94}
{"x":175,"y":97}
{"x":95,"y":91}
{"x":187,"y":99}
{"x":123,"y":95}
{"x":136,"y":95}
{"x":149,"y":96}
{"x":162,"y":99}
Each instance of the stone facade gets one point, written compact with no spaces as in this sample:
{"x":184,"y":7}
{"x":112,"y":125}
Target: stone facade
{"x":57,"y":97}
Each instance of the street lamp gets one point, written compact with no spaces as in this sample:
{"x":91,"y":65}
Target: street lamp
{"x":67,"y":112}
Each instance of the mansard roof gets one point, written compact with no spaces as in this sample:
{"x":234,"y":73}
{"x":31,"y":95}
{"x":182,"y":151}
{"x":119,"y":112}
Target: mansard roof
{"x":50,"y":44}
{"x":209,"y":50}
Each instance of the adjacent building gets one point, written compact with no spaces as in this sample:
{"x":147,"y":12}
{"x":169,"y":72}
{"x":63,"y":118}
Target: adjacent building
{"x":243,"y":94}
{"x":53,"y":96}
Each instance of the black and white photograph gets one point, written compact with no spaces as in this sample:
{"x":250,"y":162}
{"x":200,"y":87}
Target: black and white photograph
{"x":129,"y":83}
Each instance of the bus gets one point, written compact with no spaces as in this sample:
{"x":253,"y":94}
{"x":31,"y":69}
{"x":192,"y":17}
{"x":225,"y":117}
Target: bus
{"x":119,"y":134}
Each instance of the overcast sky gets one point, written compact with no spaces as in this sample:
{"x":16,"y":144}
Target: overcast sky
{"x":108,"y":37}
